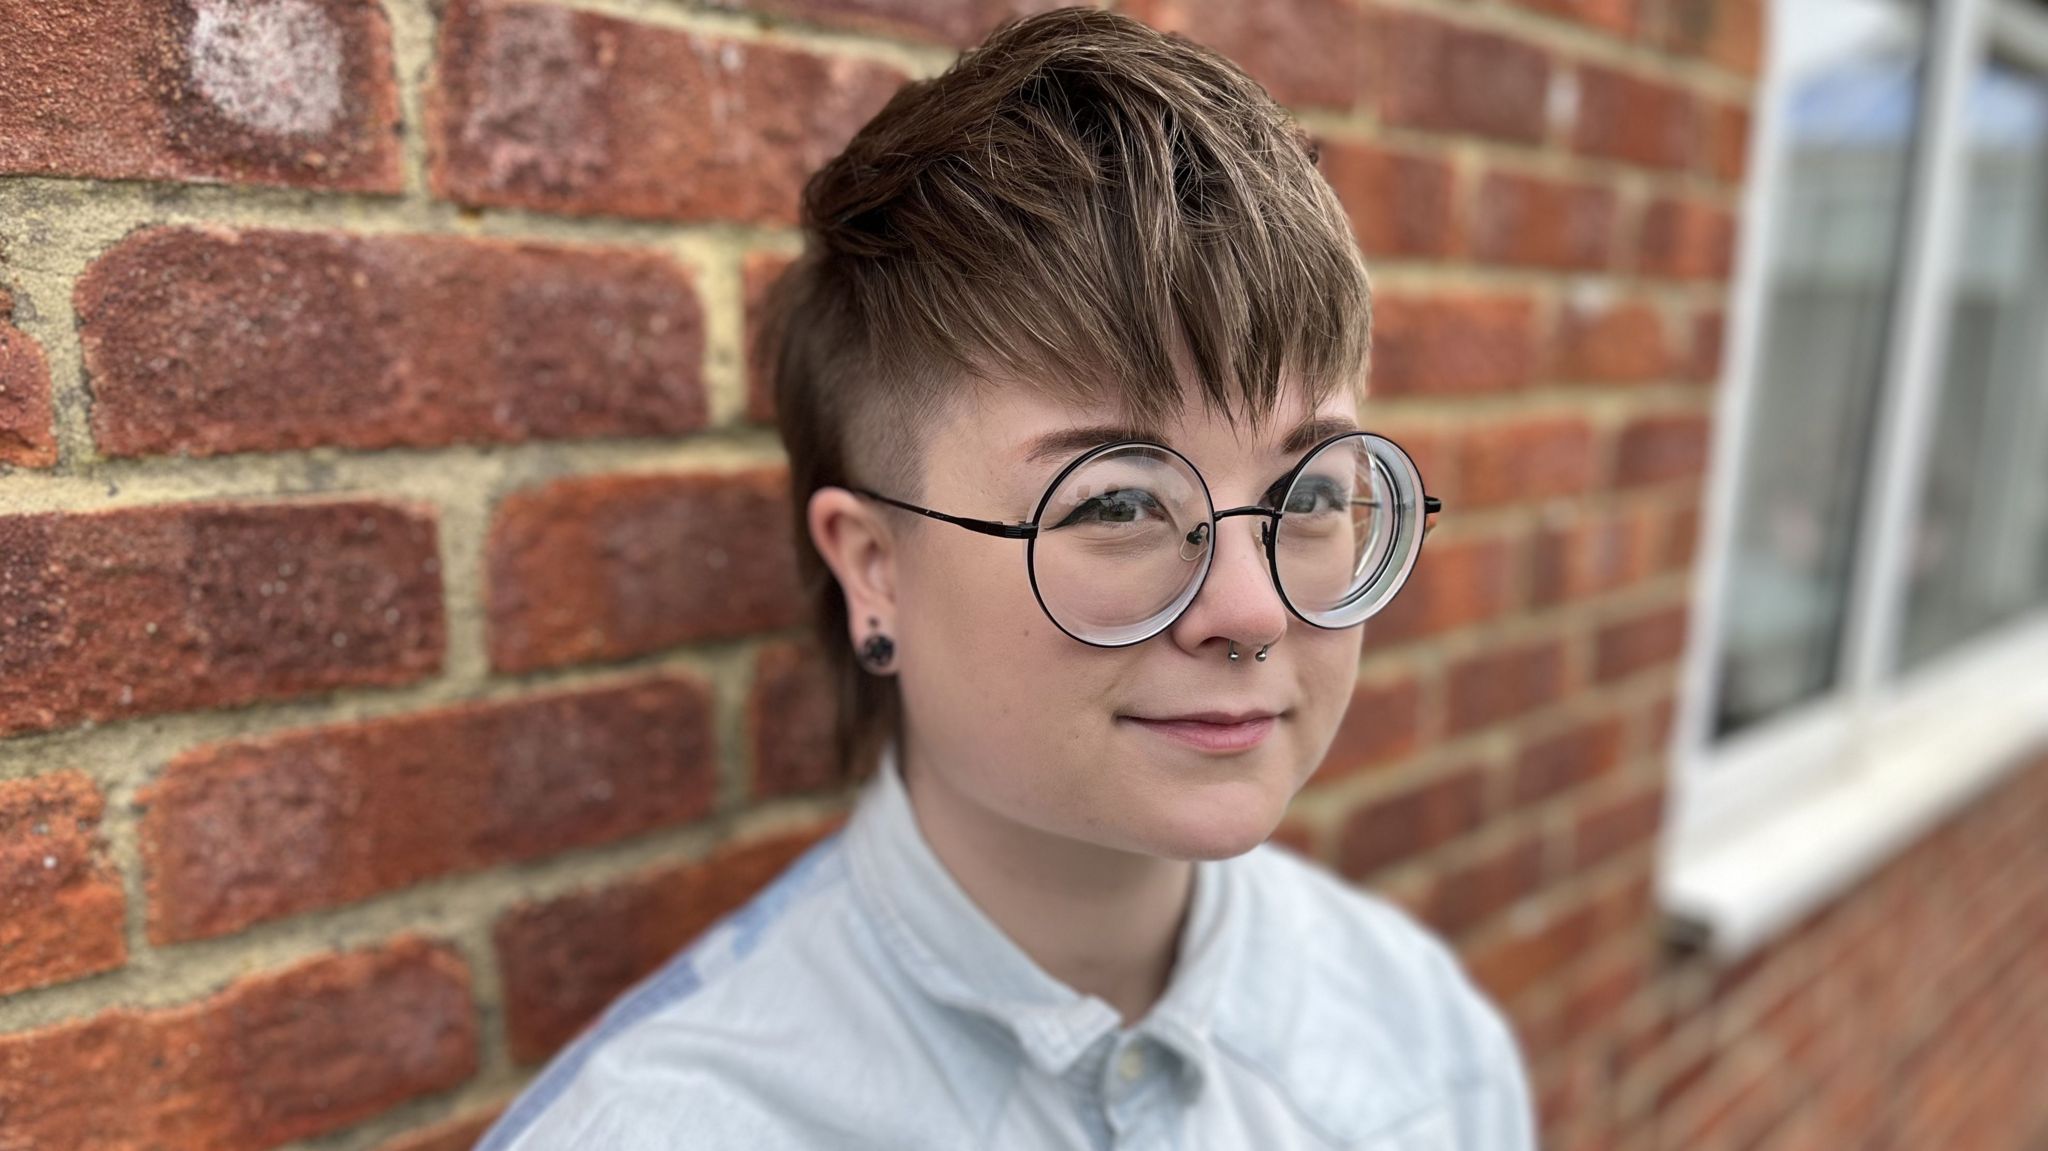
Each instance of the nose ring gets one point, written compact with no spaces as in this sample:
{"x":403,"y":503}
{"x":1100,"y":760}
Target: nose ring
{"x":1260,"y":655}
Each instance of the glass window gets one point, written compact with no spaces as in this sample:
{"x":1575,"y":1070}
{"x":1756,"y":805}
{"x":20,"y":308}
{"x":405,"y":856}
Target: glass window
{"x":1979,"y":556}
{"x":1849,"y":74}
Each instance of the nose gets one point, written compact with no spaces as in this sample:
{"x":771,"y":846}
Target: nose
{"x":1237,"y":599}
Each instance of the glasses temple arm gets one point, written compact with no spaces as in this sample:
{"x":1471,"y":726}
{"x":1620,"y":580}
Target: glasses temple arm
{"x":986,"y":527}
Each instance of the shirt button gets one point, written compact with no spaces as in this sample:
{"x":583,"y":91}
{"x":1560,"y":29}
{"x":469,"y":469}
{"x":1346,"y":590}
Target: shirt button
{"x":1131,"y":1063}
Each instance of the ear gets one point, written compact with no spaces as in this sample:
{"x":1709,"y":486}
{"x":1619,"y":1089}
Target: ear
{"x":855,"y":542}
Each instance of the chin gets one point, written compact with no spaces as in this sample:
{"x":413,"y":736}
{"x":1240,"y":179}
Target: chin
{"x":1216,"y":822}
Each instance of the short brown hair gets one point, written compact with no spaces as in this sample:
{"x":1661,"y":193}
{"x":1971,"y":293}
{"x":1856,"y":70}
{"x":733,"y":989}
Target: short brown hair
{"x":1080,"y":202}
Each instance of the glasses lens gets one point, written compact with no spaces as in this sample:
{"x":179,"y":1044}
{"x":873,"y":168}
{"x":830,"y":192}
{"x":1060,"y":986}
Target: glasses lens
{"x":1122,"y":544}
{"x":1351,"y":529}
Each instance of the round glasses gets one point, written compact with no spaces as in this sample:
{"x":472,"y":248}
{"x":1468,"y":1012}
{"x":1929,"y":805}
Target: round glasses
{"x":1124,"y":536}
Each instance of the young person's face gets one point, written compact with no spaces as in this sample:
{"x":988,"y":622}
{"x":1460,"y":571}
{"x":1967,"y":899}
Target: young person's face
{"x":1037,"y":726}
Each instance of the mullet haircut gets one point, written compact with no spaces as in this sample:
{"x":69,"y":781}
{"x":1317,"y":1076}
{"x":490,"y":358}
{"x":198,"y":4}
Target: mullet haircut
{"x":1081,"y":203}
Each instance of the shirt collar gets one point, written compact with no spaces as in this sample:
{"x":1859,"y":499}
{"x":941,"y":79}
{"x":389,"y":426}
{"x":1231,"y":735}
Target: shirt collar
{"x":958,"y":956}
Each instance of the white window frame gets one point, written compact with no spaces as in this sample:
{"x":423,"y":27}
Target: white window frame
{"x":1768,"y":824}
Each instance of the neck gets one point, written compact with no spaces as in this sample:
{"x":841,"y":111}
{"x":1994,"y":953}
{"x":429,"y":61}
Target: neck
{"x":1105,"y":922}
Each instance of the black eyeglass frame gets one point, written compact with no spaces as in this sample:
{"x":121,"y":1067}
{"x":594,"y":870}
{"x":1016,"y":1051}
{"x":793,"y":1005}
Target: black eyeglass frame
{"x":1028,"y":530}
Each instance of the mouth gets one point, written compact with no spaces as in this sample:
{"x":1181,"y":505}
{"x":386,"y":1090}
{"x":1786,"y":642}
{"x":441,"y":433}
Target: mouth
{"x":1211,"y":730}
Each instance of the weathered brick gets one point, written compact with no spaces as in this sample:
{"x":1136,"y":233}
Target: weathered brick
{"x":1619,"y":18}
{"x":1382,"y":726}
{"x":1467,"y":894}
{"x":1523,"y":459}
{"x":1726,"y":155}
{"x":1497,"y":685}
{"x":181,"y":607}
{"x":274,"y":1057}
{"x":1406,"y":823}
{"x":254,"y":829}
{"x":791,"y":715}
{"x":1305,"y":52}
{"x":1703,"y":354}
{"x":207,"y":341}
{"x":1531,"y":952}
{"x":612,"y":566}
{"x":958,"y":23}
{"x":61,"y":907}
{"x":299,"y":92}
{"x":1636,"y":120}
{"x":1455,"y":583}
{"x":1602,"y":340}
{"x":544,"y":107}
{"x":1662,"y":446}
{"x":1400,"y":203}
{"x":1727,"y":33}
{"x":1595,"y":551}
{"x":1444,"y":77}
{"x":1555,"y":763}
{"x":1452,"y":343}
{"x":566,"y":958}
{"x":758,"y":273}
{"x":1686,"y":239}
{"x":1613,"y":824}
{"x":1531,"y":221}
{"x":1630,"y":645}
{"x":28,"y":433}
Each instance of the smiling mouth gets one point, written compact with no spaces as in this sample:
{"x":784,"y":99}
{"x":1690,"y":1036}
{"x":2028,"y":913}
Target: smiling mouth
{"x":1208,"y":736}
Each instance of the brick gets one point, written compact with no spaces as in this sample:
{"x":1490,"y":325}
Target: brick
{"x":299,"y":92}
{"x":1390,"y":828}
{"x":61,"y":906}
{"x":1635,"y":120}
{"x":201,"y":341}
{"x":1607,"y":827}
{"x":1686,"y":239}
{"x":792,"y":715}
{"x":1726,"y":155}
{"x":1596,"y":551}
{"x":1529,"y":221}
{"x":1401,"y":204}
{"x":1452,"y":343}
{"x":1382,"y":726}
{"x":1556,"y":763}
{"x":461,"y":1133}
{"x":1525,"y":459}
{"x":256,"y":829}
{"x":1660,"y":447}
{"x":542,"y":107}
{"x":564,"y":959}
{"x":28,"y":432}
{"x":613,"y":566}
{"x":758,"y":273}
{"x":186,"y":607}
{"x":1631,"y":645}
{"x":1442,"y":77}
{"x":1618,"y":18}
{"x":1601,"y":340}
{"x":1703,"y":354}
{"x":1455,"y":583}
{"x":1469,"y":893}
{"x":1495,"y":686}
{"x":1530,"y":954}
{"x":1726,"y":33}
{"x":958,"y":23}
{"x":1306,"y":52}
{"x":286,"y":1054}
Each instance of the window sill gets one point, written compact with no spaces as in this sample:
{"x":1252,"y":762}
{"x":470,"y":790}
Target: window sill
{"x":1737,"y":889}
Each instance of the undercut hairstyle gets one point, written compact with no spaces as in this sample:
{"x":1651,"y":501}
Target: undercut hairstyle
{"x":1081,"y":204}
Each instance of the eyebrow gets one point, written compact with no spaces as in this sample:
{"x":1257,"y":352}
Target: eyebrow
{"x":1068,"y":442}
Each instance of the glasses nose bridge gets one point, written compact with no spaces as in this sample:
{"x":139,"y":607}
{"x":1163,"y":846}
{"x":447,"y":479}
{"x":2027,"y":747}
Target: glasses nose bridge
{"x":1264,"y":538}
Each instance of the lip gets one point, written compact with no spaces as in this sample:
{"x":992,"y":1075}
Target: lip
{"x":1224,"y":733}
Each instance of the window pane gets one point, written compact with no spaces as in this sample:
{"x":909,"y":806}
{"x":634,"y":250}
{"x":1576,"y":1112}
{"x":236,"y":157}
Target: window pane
{"x":1847,"y":74}
{"x":1980,"y":550}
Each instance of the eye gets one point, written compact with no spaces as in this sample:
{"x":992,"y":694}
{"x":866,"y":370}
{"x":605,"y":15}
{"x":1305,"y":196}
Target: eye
{"x":1315,"y":494}
{"x":1115,"y":506}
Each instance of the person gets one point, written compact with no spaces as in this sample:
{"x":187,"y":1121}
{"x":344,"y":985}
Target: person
{"x":1068,"y":373}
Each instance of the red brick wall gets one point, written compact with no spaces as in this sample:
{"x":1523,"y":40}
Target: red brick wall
{"x":396,"y":660}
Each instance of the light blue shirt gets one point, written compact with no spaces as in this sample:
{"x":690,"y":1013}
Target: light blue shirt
{"x":863,"y":1000}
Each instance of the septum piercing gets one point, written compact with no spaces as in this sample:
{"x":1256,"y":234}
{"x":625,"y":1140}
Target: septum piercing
{"x":1260,"y":656}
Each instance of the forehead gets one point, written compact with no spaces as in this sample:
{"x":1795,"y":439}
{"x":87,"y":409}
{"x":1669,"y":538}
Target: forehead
{"x":1021,"y":425}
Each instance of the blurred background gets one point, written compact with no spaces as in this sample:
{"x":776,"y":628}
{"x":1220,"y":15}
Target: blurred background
{"x":400,"y":651}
